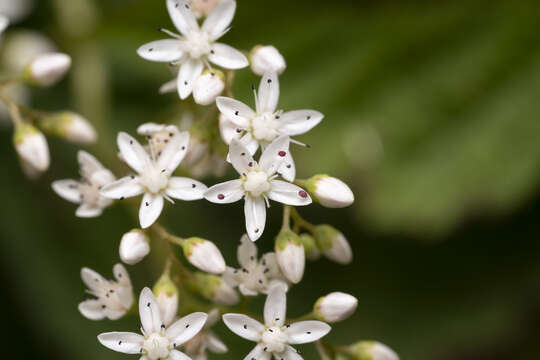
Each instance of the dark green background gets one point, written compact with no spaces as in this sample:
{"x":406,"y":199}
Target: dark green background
{"x":431,"y":115}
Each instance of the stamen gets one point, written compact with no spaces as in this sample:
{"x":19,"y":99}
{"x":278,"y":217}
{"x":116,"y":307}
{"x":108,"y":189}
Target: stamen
{"x":256,"y":97}
{"x":170,"y":33}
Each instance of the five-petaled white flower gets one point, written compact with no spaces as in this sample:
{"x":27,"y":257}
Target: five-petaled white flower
{"x":265,"y":124}
{"x":154,"y":178}
{"x":257,"y":184}
{"x":157,"y":341}
{"x":86,"y":191}
{"x":112,"y":298}
{"x":205,"y":340}
{"x":255,"y":276}
{"x":196,"y":45}
{"x":274,"y":337}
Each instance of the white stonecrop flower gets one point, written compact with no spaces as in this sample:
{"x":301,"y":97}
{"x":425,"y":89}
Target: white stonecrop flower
{"x":112,"y":298}
{"x":266,"y":59}
{"x":255,"y":276}
{"x":32,"y":147}
{"x":266,"y":123}
{"x":196,"y":45}
{"x":274,"y":337}
{"x":208,"y":86}
{"x":134,"y":246}
{"x":330,"y":191}
{"x":157,"y":340}
{"x":86,"y":191}
{"x":257,"y":184}
{"x":154,"y":178}
{"x":205,"y":340}
{"x":47,"y":69}
{"x":204,"y":255}
{"x":334,"y":307}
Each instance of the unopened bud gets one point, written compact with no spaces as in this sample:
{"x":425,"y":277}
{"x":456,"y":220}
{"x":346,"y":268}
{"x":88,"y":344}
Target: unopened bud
{"x":204,"y":255}
{"x":47,"y":69}
{"x":329,"y":191}
{"x":214,"y":288}
{"x":372,"y":350}
{"x":334,"y":307}
{"x":333,"y":244}
{"x":166,"y":294}
{"x":290,"y":255}
{"x":310,"y":246}
{"x":134,"y":246}
{"x":32,"y":147}
{"x":208,"y":86}
{"x":266,"y":59}
{"x":70,"y":126}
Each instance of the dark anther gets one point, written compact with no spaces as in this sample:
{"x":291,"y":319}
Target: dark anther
{"x":148,"y":304}
{"x":187,"y":325}
{"x":269,"y":81}
{"x":147,"y":204}
{"x":193,"y":186}
{"x":309,"y":117}
{"x":256,"y":230}
{"x":245,"y":326}
{"x":162,"y":326}
{"x":131,"y":142}
{"x":289,"y":166}
{"x":236,"y":112}
{"x":243,"y":154}
{"x":250,"y":164}
{"x":122,"y":198}
{"x":183,"y":148}
{"x":120,"y":342}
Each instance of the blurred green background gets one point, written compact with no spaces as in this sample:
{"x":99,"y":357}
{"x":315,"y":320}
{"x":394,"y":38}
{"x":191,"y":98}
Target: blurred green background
{"x":432,"y":116}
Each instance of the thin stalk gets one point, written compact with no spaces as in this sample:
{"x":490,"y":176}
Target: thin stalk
{"x":300,"y":221}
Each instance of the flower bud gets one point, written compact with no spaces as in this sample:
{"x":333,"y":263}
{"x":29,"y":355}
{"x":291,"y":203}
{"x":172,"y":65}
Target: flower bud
{"x":310,"y":246}
{"x":333,"y":244}
{"x":290,"y":255}
{"x":134,"y":246}
{"x":47,"y":69}
{"x":32,"y":147}
{"x":266,"y":59}
{"x":204,"y":255}
{"x":214,"y":288}
{"x":329,"y":191}
{"x":334,"y":307}
{"x":166,"y":294}
{"x":372,"y":350}
{"x":70,"y":126}
{"x":208,"y":86}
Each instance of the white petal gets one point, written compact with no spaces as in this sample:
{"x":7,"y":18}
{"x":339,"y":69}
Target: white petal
{"x":225,"y":193}
{"x":189,"y":72}
{"x":250,"y":143}
{"x":132,"y":152}
{"x":241,"y":159}
{"x":182,"y":330}
{"x":246,"y":291}
{"x":92,"y":279}
{"x":270,"y":261}
{"x":275,"y":307}
{"x":113,"y":314}
{"x":307,"y":331}
{"x":121,"y":275}
{"x":124,"y":342}
{"x":227,"y":57}
{"x":161,"y":50}
{"x":258,"y":353}
{"x":149,"y":312}
{"x":175,"y":151}
{"x":255,"y":213}
{"x":230,"y":276}
{"x":287,"y":193}
{"x":213,"y":318}
{"x":227,"y":129}
{"x":215,"y":344}
{"x":236,"y":111}
{"x":122,"y":188}
{"x":287,"y":169}
{"x":185,"y":188}
{"x":92,"y":309}
{"x":268,"y":93}
{"x":181,"y":16}
{"x":247,"y":251}
{"x":299,"y":121}
{"x":67,"y":189}
{"x":219,"y":19}
{"x":244,"y":326}
{"x":151,"y":206}
{"x":88,"y":211}
{"x":88,"y":164}
{"x":168,"y":87}
{"x":178,"y":355}
{"x":290,"y":354}
{"x":274,"y":155}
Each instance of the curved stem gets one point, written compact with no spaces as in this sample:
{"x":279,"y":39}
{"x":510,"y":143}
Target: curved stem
{"x":286,"y":225}
{"x":300,"y":221}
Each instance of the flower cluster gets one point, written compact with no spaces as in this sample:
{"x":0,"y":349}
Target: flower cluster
{"x":168,"y":162}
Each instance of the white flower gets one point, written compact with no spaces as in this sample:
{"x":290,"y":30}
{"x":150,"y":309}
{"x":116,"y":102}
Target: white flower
{"x":255,"y":276}
{"x":134,"y":246}
{"x":112,"y":298}
{"x":330,"y":191}
{"x":274,"y":337}
{"x":290,"y":255}
{"x":266,"y":59}
{"x":265,"y":124}
{"x":204,"y":255}
{"x":157,"y":341}
{"x":86,"y":191}
{"x":196,"y":46}
{"x":208,"y":86}
{"x":47,"y":69}
{"x":257,"y":184}
{"x":336,"y":306}
{"x":154,"y":178}
{"x":205,"y":340}
{"x":32,"y":147}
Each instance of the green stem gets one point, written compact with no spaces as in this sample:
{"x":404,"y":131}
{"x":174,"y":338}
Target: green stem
{"x":300,"y":221}
{"x":286,"y":218}
{"x":160,"y":231}
{"x":14,"y":110}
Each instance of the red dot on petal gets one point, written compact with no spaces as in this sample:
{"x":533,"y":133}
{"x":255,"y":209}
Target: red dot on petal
{"x":221,"y":196}
{"x":282,"y":153}
{"x":302,"y":193}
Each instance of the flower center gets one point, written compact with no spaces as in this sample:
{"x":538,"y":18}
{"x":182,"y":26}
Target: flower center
{"x":197,"y":44}
{"x":154,"y":179}
{"x":156,"y":347}
{"x":255,"y":278}
{"x":89,"y":192}
{"x":256,"y":183}
{"x":274,"y":339}
{"x":264,"y":127}
{"x":108,"y":296}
